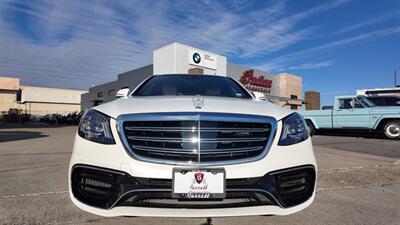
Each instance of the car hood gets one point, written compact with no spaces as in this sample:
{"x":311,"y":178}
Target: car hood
{"x":186,"y":104}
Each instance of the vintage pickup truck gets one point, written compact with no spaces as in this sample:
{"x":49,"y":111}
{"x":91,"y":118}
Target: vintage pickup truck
{"x":355,"y":113}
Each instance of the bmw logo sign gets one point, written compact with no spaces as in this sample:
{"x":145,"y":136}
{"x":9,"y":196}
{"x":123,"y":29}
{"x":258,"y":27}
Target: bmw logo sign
{"x":196,"y":58}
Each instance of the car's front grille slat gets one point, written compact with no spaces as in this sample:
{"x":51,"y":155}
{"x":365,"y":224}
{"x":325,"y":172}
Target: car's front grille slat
{"x":165,"y":149}
{"x":205,"y":151}
{"x":194,"y":139}
{"x":229,"y":151}
{"x":210,"y":129}
{"x":160,"y":150}
{"x":197,"y":139}
{"x":176,"y":129}
{"x":159,"y":139}
{"x":193,"y":129}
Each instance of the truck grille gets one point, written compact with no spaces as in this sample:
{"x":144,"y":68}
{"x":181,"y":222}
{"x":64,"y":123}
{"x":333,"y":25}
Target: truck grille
{"x":192,"y":138}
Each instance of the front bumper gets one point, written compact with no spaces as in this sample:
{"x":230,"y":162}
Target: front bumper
{"x":144,"y":189}
{"x":106,"y":189}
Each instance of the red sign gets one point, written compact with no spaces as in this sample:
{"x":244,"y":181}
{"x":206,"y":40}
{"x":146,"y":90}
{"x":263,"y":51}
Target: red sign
{"x":199,"y":177}
{"x":254,"y":83}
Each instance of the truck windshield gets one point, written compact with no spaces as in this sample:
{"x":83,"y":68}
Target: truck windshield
{"x":366,"y":102}
{"x":205,"y":85}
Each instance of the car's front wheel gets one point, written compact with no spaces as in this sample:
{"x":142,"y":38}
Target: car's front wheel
{"x":391,"y":129}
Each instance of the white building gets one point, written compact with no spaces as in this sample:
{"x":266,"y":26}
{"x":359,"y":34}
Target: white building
{"x":178,"y":58}
{"x":37,"y":100}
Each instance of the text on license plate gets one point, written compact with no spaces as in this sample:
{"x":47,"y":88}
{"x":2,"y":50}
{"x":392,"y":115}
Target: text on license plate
{"x":198,"y":183}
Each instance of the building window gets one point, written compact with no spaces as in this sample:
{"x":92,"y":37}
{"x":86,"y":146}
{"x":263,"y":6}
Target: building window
{"x":294,"y":107}
{"x":111,"y":92}
{"x":18,"y":95}
{"x":14,"y":97}
{"x":100,"y":94}
{"x":293,"y":96}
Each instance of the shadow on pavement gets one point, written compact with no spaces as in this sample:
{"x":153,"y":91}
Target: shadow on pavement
{"x":31,"y":125}
{"x":6,"y":136}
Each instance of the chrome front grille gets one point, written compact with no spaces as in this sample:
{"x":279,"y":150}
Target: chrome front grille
{"x":196,"y":138}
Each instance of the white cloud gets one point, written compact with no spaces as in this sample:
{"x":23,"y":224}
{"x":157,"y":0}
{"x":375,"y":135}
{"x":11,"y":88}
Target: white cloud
{"x":279,"y":63}
{"x":369,"y":35}
{"x":375,"y":20}
{"x":317,"y":65}
{"x":79,"y":43}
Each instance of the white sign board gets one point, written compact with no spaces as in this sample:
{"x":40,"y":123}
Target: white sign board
{"x":202,"y":59}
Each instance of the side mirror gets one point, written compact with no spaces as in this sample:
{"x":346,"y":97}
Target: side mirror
{"x":123,"y":93}
{"x":259,"y":96}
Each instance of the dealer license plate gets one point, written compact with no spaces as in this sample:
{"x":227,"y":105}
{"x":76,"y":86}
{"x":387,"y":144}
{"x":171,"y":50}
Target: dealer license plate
{"x":198,"y":183}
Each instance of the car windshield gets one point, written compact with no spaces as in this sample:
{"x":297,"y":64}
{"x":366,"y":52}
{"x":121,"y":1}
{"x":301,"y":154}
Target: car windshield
{"x":366,"y":102}
{"x":205,"y":85}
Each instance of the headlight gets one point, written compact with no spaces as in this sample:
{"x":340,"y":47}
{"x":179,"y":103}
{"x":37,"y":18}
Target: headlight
{"x":95,"y":126}
{"x":294,"y":130}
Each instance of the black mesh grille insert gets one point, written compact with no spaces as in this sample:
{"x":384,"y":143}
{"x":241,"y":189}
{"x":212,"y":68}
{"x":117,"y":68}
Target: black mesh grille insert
{"x":295,"y":186}
{"x":93,"y":186}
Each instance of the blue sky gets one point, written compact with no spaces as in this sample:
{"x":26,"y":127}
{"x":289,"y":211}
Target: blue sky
{"x":336,"y":46}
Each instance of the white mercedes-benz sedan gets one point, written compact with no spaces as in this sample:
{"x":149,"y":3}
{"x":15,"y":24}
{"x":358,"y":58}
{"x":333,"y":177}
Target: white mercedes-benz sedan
{"x":191,"y":146}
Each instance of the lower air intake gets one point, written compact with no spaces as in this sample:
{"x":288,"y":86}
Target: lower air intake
{"x":295,"y":187}
{"x":93,"y":187}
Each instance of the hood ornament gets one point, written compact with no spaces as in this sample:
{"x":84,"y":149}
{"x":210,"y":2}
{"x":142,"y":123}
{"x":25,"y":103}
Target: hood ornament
{"x":198,"y":101}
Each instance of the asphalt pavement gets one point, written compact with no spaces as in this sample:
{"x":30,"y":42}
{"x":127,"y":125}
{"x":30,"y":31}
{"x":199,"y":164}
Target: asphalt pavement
{"x":358,"y":182}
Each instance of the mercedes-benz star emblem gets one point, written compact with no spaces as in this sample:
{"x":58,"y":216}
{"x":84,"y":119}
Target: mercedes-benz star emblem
{"x":198,"y":101}
{"x":196,"y":58}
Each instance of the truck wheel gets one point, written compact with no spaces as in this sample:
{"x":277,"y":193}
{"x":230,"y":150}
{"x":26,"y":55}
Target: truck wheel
{"x":310,"y":128}
{"x":392,"y":129}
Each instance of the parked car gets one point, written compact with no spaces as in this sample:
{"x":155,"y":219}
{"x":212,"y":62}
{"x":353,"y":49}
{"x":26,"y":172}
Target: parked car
{"x":73,"y":118}
{"x":46,"y":118}
{"x":14,"y":115}
{"x":355,"y":113}
{"x":385,"y":101}
{"x":191,"y":146}
{"x":36,"y":118}
{"x":70,"y":119}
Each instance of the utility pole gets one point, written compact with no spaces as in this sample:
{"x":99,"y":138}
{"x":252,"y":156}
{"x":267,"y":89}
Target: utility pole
{"x":395,"y":78}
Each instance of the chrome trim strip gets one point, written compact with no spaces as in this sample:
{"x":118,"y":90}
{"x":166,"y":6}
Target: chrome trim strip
{"x":233,"y":150}
{"x":158,"y":150}
{"x":225,"y":151}
{"x":209,"y":129}
{"x":252,"y":190}
{"x":198,"y":140}
{"x":193,"y":129}
{"x":177,"y":129}
{"x":204,"y":140}
{"x":187,"y":151}
{"x":196,"y":116}
{"x":165,"y":149}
